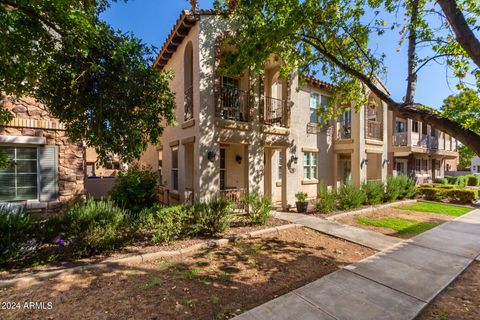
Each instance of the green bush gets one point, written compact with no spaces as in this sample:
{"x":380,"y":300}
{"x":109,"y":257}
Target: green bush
{"x":461,"y":181}
{"x":92,"y":227}
{"x":463,"y":196}
{"x":431,"y":194}
{"x":301,"y":196}
{"x":259,"y":207}
{"x":373,"y":192}
{"x":326,"y":199}
{"x":168,"y":223}
{"x":440,"y":180}
{"x":213,"y":217}
{"x":472,"y":181}
{"x":350,"y":197}
{"x":407,"y":187}
{"x":393,"y":189}
{"x":18,"y":234}
{"x":135,"y":189}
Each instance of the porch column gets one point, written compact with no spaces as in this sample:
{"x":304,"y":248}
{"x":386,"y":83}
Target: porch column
{"x":409,"y":132}
{"x":335,"y":170}
{"x":284,"y":179}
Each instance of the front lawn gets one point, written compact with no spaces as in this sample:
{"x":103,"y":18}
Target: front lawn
{"x":450,"y":210}
{"x":402,"y":226}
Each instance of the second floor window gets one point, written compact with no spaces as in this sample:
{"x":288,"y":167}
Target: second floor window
{"x":310,"y":165}
{"x":314,"y":104}
{"x":415,"y":126}
{"x":400,"y":126}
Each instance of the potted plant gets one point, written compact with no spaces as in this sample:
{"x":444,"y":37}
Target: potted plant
{"x":301,"y":203}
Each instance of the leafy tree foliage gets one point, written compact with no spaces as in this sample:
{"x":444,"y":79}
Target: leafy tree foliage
{"x":332,"y":37}
{"x":466,"y":155}
{"x":97,"y":81}
{"x":464,"y":108}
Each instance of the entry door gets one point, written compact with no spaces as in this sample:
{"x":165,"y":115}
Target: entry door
{"x":346,"y":170}
{"x":401,"y":167}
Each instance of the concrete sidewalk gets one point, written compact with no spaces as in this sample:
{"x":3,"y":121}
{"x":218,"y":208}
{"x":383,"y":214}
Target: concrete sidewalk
{"x":394,"y":284}
{"x":363,"y":237}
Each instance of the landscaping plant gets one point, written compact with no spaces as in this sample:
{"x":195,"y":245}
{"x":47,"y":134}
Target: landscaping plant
{"x":91,"y":227}
{"x":406,"y":185}
{"x":302,"y":204}
{"x":168,"y":223}
{"x":213,"y":217}
{"x":373,"y":192}
{"x":326,"y":199}
{"x":393,"y":189}
{"x":258,"y":208}
{"x":350,"y":197}
{"x":18,"y":234}
{"x":135,"y":189}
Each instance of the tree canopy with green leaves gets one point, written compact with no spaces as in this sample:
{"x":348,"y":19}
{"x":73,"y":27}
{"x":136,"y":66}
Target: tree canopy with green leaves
{"x":332,"y":37}
{"x":97,"y":81}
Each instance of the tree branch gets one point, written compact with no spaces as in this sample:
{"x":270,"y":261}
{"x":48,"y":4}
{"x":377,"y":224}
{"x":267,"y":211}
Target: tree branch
{"x":464,"y":34}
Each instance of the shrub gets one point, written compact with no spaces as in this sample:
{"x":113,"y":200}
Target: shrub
{"x":213,"y":217}
{"x":301,"y":196}
{"x":326,"y":199}
{"x":393,"y":189}
{"x":472,"y":181}
{"x":432,"y":194}
{"x":463,"y":196}
{"x":169,"y":223}
{"x":135,"y":189}
{"x":18,"y":234}
{"x":461,"y":181}
{"x":373,"y":192}
{"x":406,"y":185}
{"x":259,"y":207}
{"x":440,"y":180}
{"x":350,"y":197}
{"x":95,"y":226}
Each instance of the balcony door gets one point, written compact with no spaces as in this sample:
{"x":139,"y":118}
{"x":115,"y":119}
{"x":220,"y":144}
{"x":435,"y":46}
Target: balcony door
{"x":231,"y":100}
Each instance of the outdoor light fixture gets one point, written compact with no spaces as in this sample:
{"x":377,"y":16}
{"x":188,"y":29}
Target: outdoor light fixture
{"x":294,"y":158}
{"x":211,"y":155}
{"x":364,"y":162}
{"x":386,"y":162}
{"x":238,"y":159}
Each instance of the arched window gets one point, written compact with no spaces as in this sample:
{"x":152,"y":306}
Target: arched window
{"x":188,"y":81}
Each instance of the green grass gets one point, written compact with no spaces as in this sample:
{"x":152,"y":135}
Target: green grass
{"x":449,"y":210}
{"x":402,"y":226}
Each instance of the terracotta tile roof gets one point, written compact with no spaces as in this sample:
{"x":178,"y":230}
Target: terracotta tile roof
{"x":317,"y":83}
{"x":187,"y":19}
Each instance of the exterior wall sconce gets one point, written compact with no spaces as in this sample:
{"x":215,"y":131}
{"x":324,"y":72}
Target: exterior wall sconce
{"x":364,"y":162}
{"x":386,"y":162}
{"x":294,"y":158}
{"x":238,"y":159}
{"x":211,"y":155}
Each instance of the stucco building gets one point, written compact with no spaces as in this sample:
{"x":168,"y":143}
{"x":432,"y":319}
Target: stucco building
{"x":48,"y":168}
{"x":247,"y":132}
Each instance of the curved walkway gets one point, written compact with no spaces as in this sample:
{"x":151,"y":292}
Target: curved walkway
{"x":396,"y":283}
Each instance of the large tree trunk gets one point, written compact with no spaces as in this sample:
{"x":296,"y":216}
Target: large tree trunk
{"x":465,"y":36}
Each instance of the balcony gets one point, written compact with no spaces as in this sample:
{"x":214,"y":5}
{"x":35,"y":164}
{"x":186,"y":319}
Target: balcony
{"x":188,"y":104}
{"x":400,"y":139}
{"x":234,"y":104}
{"x":277,"y":112}
{"x":344,"y":131}
{"x":374,"y":130}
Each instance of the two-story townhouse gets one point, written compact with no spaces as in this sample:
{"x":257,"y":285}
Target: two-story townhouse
{"x":248,"y":132}
{"x":420,"y":150}
{"x":47,"y":168}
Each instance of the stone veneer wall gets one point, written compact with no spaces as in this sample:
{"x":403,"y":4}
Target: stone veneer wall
{"x":32,"y":119}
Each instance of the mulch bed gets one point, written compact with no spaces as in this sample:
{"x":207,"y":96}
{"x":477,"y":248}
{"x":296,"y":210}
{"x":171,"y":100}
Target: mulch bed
{"x":139,"y":246}
{"x":216,"y":283}
{"x":397,"y":213}
{"x":460,"y":300}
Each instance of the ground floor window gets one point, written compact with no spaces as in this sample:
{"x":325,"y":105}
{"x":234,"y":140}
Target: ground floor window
{"x":418,"y":166}
{"x":280,"y":161}
{"x":425,"y":166}
{"x":20,"y":180}
{"x":222,"y":169}
{"x":175,"y":168}
{"x":310,"y":165}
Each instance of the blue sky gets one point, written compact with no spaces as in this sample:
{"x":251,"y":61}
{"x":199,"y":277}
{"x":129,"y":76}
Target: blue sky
{"x":152,"y":20}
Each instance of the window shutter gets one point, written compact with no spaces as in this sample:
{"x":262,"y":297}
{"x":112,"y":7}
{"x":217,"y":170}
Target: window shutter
{"x":48,"y":169}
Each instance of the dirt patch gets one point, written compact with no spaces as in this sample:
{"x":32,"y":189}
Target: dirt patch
{"x":394,"y":213}
{"x":139,"y":246}
{"x":210,"y":284}
{"x":461,"y":300}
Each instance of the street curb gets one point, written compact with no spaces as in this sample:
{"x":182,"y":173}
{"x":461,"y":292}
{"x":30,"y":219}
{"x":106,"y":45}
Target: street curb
{"x":140,"y":258}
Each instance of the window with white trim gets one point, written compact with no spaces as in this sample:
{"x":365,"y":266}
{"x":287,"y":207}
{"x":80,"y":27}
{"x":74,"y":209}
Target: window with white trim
{"x":175,"y":168}
{"x":280,"y":160}
{"x":418,"y":166}
{"x":310,"y":165}
{"x":314,"y":104}
{"x":425,"y":166}
{"x":20,"y":180}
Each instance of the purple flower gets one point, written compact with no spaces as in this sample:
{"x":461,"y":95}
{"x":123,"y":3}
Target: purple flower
{"x":61,"y":242}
